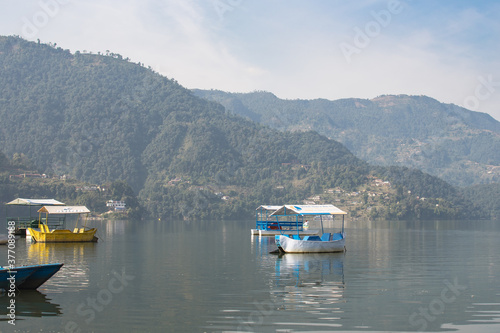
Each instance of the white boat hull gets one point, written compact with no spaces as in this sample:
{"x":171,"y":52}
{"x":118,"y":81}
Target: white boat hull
{"x":290,"y":245}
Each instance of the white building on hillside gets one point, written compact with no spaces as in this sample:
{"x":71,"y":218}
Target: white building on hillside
{"x":117,"y":205}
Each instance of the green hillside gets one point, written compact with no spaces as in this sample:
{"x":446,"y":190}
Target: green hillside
{"x":18,"y":180}
{"x":102,"y":119}
{"x":486,"y":197}
{"x":455,"y":144}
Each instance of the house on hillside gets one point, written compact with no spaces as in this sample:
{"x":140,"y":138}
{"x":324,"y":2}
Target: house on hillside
{"x":116,"y":205}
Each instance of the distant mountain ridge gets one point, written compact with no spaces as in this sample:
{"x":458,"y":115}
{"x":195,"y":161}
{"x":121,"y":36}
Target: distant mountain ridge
{"x":453,"y":143}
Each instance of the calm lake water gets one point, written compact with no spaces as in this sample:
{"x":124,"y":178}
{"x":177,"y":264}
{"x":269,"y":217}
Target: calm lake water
{"x":214,"y":277}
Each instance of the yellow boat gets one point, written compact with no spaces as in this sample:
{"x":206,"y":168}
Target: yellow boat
{"x":44,"y":235}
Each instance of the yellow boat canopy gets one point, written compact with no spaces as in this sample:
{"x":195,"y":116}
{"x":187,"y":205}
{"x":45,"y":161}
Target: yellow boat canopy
{"x":64,"y":210}
{"x":35,"y":202}
{"x":308,"y":210}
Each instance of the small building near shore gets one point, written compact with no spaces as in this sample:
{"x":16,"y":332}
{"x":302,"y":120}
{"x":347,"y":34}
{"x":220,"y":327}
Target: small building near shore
{"x":117,"y":205}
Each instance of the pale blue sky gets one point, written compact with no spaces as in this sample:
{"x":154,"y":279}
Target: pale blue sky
{"x":447,"y":50}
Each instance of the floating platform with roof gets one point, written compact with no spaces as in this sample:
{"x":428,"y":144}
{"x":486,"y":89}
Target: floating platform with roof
{"x":268,"y":225}
{"x":24,"y":213}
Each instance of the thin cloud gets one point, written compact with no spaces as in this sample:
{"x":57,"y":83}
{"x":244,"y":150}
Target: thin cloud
{"x":291,"y":48}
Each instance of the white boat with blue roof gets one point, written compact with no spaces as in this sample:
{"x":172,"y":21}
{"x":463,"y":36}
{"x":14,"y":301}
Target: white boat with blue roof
{"x":296,"y":243}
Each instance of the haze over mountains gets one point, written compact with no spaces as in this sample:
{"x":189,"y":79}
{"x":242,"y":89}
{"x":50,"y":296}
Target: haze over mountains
{"x":101,"y":118}
{"x":445,"y":140}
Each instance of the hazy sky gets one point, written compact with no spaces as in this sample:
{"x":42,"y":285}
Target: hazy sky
{"x":307,"y":49}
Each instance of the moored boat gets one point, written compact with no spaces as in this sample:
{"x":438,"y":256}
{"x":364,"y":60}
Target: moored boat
{"x":294,"y":243}
{"x":45,"y":235}
{"x":15,"y":276}
{"x":27,"y":277}
{"x":40,"y":275}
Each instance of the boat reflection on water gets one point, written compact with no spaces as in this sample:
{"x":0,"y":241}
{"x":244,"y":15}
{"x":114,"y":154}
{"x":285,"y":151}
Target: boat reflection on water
{"x":40,"y":253}
{"x":30,"y":303}
{"x":74,"y":275}
{"x":309,"y":282}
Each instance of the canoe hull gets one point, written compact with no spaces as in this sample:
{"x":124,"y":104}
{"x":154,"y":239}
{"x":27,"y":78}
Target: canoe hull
{"x":40,"y":276}
{"x":28,"y":277}
{"x":290,"y":245}
{"x":20,"y":274}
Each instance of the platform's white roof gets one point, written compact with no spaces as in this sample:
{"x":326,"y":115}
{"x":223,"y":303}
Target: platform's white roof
{"x":35,"y":202}
{"x":64,"y":210}
{"x":308,"y":210}
{"x":269,"y":207}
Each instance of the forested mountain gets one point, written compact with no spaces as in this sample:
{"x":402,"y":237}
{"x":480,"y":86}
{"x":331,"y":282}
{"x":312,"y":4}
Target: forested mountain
{"x":458,"y":145}
{"x":100,"y":119}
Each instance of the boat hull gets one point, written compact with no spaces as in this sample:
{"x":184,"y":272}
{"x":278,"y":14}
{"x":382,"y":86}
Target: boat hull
{"x":20,"y":274}
{"x":40,"y":276}
{"x":290,"y":245}
{"x":63,"y":236}
{"x":28,"y":277}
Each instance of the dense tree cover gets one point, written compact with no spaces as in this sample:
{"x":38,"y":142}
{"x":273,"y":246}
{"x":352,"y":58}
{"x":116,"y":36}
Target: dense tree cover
{"x":445,"y":140}
{"x":4,"y":162}
{"x":424,"y":196}
{"x":419,"y":183}
{"x":102,"y":119}
{"x":486,"y":198}
{"x":68,"y":191}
